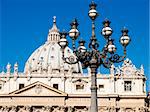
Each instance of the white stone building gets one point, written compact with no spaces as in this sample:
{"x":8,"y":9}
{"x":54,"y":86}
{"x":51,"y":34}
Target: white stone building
{"x":50,"y":85}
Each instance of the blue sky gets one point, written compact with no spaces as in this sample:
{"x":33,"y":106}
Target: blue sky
{"x":24,"y":26}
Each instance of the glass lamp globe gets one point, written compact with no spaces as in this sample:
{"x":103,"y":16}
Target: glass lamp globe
{"x":74,"y":33}
{"x":63,"y":43}
{"x":82,"y":49}
{"x":124,"y":40}
{"x":92,"y":13}
{"x":111,"y":48}
{"x":106,"y":32}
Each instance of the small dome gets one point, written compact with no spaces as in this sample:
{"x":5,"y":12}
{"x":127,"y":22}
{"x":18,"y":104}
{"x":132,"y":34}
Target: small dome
{"x":48,"y":57}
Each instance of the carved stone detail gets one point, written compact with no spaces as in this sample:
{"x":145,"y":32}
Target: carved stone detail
{"x":13,"y":109}
{"x":4,"y":109}
{"x":38,"y":89}
{"x":69,"y":109}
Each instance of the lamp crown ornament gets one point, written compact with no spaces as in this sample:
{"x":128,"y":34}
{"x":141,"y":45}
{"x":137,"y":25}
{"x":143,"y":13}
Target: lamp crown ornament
{"x":74,"y":23}
{"x":125,"y":31}
{"x":81,"y":42}
{"x":106,"y":22}
{"x":92,"y":5}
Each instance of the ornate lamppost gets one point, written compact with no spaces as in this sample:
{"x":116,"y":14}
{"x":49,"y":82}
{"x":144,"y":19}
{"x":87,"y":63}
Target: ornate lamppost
{"x":93,"y":57}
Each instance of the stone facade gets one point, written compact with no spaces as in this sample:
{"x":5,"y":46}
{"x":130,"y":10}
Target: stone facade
{"x":50,"y":85}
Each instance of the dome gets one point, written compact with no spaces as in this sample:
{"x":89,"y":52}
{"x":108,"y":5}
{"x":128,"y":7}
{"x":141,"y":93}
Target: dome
{"x":48,"y":57}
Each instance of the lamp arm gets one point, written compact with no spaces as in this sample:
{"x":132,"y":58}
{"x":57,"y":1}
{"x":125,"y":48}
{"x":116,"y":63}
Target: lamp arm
{"x":106,"y":63}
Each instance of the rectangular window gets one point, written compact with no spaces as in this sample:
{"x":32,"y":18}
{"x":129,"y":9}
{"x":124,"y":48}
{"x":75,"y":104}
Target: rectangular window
{"x":55,"y":86}
{"x":127,"y":86}
{"x":101,"y":87}
{"x":21,"y":86}
{"x":79,"y":87}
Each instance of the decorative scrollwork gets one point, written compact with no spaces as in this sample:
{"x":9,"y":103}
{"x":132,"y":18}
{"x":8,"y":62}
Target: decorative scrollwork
{"x":94,"y":44}
{"x":115,"y":58}
{"x":71,"y":60}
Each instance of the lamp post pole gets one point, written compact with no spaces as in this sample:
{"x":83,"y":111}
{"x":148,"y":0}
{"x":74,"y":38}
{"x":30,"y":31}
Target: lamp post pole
{"x":93,"y":67}
{"x":94,"y":58}
{"x":93,"y":62}
{"x":94,"y":105}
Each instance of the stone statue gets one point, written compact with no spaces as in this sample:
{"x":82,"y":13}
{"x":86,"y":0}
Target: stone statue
{"x":16,"y":68}
{"x":8,"y":67}
{"x":142,"y":70}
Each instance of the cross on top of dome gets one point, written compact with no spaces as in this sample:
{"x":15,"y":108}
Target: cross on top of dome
{"x":54,"y":19}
